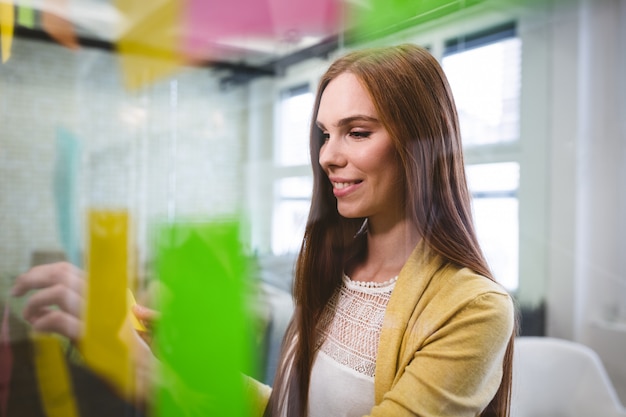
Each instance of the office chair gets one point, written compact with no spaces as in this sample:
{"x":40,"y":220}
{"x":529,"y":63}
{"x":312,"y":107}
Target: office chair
{"x":560,"y":378}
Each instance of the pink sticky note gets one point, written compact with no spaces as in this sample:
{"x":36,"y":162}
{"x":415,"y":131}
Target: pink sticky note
{"x":6,"y":361}
{"x":297,"y":18}
{"x":207,"y":22}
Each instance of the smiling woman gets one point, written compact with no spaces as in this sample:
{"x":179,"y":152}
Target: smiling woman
{"x":397,"y":312}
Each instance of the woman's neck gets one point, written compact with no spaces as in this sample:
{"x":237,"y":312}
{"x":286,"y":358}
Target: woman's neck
{"x":388,"y":248}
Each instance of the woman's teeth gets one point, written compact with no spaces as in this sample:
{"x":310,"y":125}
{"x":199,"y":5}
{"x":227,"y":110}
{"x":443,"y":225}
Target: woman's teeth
{"x":340,"y":185}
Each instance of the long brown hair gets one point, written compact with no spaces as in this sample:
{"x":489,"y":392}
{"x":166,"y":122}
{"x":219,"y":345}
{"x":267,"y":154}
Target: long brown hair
{"x":415,"y":105}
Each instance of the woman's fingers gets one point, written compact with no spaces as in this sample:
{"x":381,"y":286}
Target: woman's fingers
{"x":145,"y":314}
{"x":148,"y":318}
{"x":58,"y":295}
{"x":44,"y":276}
{"x":57,"y":304}
{"x":57,"y":321}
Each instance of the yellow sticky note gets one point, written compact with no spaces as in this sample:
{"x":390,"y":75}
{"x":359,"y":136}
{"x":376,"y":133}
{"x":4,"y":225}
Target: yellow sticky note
{"x":106,"y":299}
{"x":130,"y":301}
{"x":53,"y":378}
{"x":7,"y":23}
{"x":150,"y":40}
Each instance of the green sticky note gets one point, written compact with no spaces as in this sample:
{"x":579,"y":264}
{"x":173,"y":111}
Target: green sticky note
{"x":202,"y":339}
{"x":26,"y":16}
{"x":379,"y":18}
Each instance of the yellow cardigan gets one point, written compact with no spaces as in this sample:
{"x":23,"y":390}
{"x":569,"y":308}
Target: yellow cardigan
{"x":442,"y":342}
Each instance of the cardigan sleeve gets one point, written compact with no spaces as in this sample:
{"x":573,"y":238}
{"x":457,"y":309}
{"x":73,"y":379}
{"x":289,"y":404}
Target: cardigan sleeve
{"x":455,"y":370}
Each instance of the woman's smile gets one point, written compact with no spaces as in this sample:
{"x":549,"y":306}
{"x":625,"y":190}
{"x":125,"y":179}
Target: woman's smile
{"x":342,"y":188}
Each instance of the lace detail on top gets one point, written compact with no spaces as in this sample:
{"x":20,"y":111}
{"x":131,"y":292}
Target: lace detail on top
{"x":351,"y":322}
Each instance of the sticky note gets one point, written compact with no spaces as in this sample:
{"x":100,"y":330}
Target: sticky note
{"x":300,"y":18}
{"x":130,"y":302}
{"x":207,"y":23}
{"x":210,"y":23}
{"x":202,"y":338}
{"x":377,"y":16}
{"x":55,"y":21}
{"x":26,"y":14}
{"x":65,"y":188}
{"x":149,"y":44}
{"x":7,"y":23}
{"x":53,"y":378}
{"x":106,"y":309}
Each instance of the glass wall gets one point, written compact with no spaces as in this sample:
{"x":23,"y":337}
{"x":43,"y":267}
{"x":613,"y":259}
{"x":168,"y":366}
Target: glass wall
{"x":223,"y":140}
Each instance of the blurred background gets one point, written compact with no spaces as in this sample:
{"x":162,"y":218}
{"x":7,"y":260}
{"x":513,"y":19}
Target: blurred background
{"x":192,"y":110}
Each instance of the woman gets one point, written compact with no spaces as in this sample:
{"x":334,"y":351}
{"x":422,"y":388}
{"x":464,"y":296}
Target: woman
{"x":397,"y":313}
{"x":386,"y":136}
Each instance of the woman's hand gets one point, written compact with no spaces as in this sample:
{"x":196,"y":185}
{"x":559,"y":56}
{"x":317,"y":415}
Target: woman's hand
{"x":58,"y":303}
{"x":148,"y":318}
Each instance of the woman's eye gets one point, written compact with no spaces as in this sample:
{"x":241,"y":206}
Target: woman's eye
{"x":359,"y":134}
{"x":325,"y":136}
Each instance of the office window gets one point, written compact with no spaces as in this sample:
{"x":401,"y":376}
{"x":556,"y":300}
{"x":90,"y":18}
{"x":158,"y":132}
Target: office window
{"x":485,"y":79}
{"x":294,"y":119}
{"x":292,"y":185}
{"x":484,"y":71}
{"x":495,"y":208}
{"x":293,"y":198}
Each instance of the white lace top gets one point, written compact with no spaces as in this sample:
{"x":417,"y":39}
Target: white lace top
{"x":342,"y":378}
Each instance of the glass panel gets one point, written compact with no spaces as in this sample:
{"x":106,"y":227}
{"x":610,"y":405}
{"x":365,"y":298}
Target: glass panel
{"x":495,"y":177}
{"x":496,"y":210}
{"x":293,"y":197}
{"x":496,"y":222}
{"x":295,"y":187}
{"x":486,"y":86}
{"x":293,"y":130}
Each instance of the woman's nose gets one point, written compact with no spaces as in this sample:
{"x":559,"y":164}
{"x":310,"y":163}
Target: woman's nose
{"x":331,"y":153}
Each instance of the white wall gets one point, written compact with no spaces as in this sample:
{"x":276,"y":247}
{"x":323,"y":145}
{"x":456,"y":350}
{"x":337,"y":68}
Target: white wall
{"x":587,"y":283}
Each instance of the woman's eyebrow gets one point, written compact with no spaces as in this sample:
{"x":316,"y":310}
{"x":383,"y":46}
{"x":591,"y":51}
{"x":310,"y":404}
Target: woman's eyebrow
{"x":348,"y":120}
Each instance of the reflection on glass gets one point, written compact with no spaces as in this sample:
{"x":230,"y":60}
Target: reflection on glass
{"x":293,"y":197}
{"x":486,"y":85}
{"x":293,"y":129}
{"x":495,"y":205}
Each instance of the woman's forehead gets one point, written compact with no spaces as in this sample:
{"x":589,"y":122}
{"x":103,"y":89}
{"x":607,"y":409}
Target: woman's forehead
{"x":345,"y":97}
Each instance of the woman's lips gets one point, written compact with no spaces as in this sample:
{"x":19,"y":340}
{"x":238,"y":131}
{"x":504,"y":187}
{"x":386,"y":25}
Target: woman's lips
{"x":342,"y":188}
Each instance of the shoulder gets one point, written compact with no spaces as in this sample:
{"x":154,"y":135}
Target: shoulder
{"x":459,"y":280}
{"x":462,"y":286}
{"x":460,"y":293}
{"x":429,"y":289}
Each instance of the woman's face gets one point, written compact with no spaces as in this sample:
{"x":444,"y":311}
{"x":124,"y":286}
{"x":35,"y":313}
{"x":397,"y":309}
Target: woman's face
{"x":358,"y":155}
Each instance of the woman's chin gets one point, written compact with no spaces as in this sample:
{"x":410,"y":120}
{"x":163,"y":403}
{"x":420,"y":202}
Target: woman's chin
{"x":350,"y":213}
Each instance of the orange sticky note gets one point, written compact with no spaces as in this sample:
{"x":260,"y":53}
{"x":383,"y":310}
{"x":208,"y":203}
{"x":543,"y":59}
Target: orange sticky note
{"x":106,"y":300}
{"x":56,"y":25}
{"x":7,"y":23}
